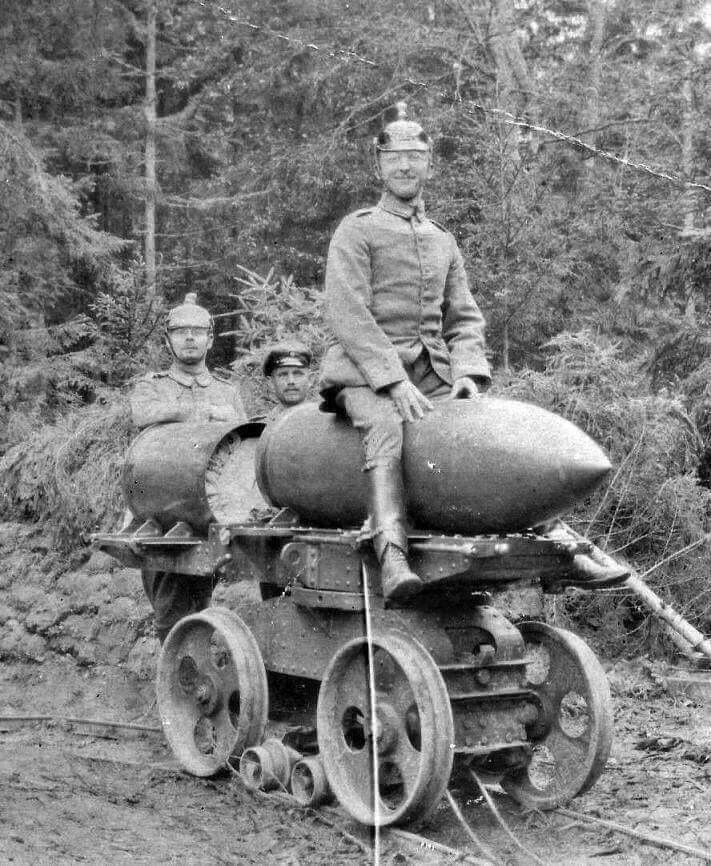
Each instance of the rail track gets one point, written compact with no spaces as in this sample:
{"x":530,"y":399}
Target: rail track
{"x":419,"y":848}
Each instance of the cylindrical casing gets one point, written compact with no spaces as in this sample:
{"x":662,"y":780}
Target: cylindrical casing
{"x":469,"y":466}
{"x":268,"y":767}
{"x":309,"y":784}
{"x":164,"y":474}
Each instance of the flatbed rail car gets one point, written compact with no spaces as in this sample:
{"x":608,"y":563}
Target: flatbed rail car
{"x":458,"y":684}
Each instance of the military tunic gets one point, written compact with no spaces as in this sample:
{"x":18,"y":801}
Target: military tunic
{"x":174,"y":395}
{"x":395,"y":285}
{"x":161,"y":398}
{"x":399,"y":306}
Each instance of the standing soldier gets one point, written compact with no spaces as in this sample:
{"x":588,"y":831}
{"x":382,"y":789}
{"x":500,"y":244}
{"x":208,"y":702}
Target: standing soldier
{"x":406,"y":329}
{"x":186,"y":391}
{"x":287,"y":367}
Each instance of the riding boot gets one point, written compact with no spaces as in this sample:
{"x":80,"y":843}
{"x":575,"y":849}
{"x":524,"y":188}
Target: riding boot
{"x":591,"y":570}
{"x":387,"y":511}
{"x":592,"y":574}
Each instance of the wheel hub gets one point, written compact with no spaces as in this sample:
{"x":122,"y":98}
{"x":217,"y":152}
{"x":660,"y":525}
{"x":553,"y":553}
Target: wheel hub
{"x":385,"y":733}
{"x":207,"y":695}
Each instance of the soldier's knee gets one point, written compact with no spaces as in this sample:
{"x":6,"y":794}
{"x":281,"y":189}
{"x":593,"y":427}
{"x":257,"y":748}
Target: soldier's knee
{"x":383,"y":442}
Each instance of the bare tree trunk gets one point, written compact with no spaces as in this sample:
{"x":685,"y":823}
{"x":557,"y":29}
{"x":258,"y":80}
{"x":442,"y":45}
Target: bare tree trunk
{"x":591,"y":109}
{"x":150,"y":153}
{"x":512,"y":78}
{"x":689,"y":199}
{"x":495,"y":28}
{"x":17,"y":113}
{"x":505,"y":351}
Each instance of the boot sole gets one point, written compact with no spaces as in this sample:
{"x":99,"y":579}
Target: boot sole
{"x":405,"y":589}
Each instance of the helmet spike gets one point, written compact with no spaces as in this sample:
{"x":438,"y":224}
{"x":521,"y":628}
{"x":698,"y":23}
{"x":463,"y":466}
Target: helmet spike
{"x":189,"y":314}
{"x":399,"y":133}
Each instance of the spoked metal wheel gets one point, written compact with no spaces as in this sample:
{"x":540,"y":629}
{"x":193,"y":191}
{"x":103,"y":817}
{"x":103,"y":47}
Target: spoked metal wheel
{"x":212,"y":690}
{"x":412,"y":735}
{"x":572,"y":736}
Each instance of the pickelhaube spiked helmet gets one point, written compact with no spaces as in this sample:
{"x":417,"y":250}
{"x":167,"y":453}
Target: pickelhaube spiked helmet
{"x":189,"y":314}
{"x":400,"y":133}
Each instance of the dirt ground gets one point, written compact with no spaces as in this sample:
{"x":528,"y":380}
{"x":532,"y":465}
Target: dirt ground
{"x":70,"y":796}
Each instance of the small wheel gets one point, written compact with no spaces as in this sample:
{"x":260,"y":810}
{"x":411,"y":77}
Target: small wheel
{"x":413,"y":737}
{"x":212,"y":690}
{"x":572,"y":735}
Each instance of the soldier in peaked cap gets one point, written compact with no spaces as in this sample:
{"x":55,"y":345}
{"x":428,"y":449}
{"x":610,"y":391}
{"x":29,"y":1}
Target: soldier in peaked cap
{"x":186,"y":391}
{"x":406,"y":329}
{"x":287,"y":366}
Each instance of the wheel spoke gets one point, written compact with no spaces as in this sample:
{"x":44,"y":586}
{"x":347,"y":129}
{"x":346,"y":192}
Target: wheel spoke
{"x":353,"y":688}
{"x":408,"y":760}
{"x":225,"y":731}
{"x":401,"y":696}
{"x":359,"y":768}
{"x":564,"y":676}
{"x":571,"y":754}
{"x":228,"y":683}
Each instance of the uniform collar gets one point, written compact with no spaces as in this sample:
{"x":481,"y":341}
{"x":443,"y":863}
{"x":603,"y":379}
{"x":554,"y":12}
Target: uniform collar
{"x":187,"y":379}
{"x":390,"y":203}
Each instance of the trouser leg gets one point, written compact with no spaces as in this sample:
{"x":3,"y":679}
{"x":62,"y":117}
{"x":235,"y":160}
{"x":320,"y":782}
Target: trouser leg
{"x":378,"y":422}
{"x":173,"y":596}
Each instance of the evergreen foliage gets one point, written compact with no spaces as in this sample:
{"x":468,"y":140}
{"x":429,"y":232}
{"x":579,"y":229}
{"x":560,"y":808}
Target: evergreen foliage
{"x":654,"y":504}
{"x":593,"y":274}
{"x":68,"y":474}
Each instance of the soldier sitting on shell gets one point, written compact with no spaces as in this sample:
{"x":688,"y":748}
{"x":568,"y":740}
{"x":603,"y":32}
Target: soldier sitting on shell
{"x":186,"y":391}
{"x":407,"y":330}
{"x":287,"y":366}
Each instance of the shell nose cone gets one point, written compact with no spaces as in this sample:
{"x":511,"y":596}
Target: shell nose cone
{"x":586,"y":470}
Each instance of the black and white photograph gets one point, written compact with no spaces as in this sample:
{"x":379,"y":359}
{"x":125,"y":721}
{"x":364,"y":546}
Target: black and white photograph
{"x":355,"y":432}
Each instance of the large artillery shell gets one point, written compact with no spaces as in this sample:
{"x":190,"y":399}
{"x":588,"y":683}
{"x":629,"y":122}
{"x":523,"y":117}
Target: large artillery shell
{"x":470,"y":466}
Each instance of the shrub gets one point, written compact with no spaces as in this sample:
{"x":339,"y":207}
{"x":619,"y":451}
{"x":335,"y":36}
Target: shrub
{"x":68,"y":474}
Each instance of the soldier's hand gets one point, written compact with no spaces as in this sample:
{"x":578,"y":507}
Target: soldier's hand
{"x":222,"y":413}
{"x":409,"y":401}
{"x":464,"y":388}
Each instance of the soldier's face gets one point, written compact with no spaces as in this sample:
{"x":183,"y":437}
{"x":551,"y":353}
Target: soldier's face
{"x":290,"y":384}
{"x":190,"y":344}
{"x":404,"y":172}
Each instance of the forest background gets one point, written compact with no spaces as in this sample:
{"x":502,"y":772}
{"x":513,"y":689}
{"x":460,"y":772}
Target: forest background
{"x":572,"y":165}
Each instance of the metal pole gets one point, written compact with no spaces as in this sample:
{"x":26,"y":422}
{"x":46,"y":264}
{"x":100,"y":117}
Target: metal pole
{"x":657,"y":605}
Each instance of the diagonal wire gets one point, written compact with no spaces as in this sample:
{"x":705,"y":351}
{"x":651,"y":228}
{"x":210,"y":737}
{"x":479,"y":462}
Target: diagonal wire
{"x":484,"y":849}
{"x":503,"y":115}
{"x":373,"y":718}
{"x":502,"y":823}
{"x":512,"y":120}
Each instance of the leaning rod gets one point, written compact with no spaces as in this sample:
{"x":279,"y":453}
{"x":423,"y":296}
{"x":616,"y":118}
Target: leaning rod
{"x":658,"y":606}
{"x":97,"y":723}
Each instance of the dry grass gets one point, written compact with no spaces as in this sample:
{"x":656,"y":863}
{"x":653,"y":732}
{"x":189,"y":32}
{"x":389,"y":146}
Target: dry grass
{"x":68,"y":474}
